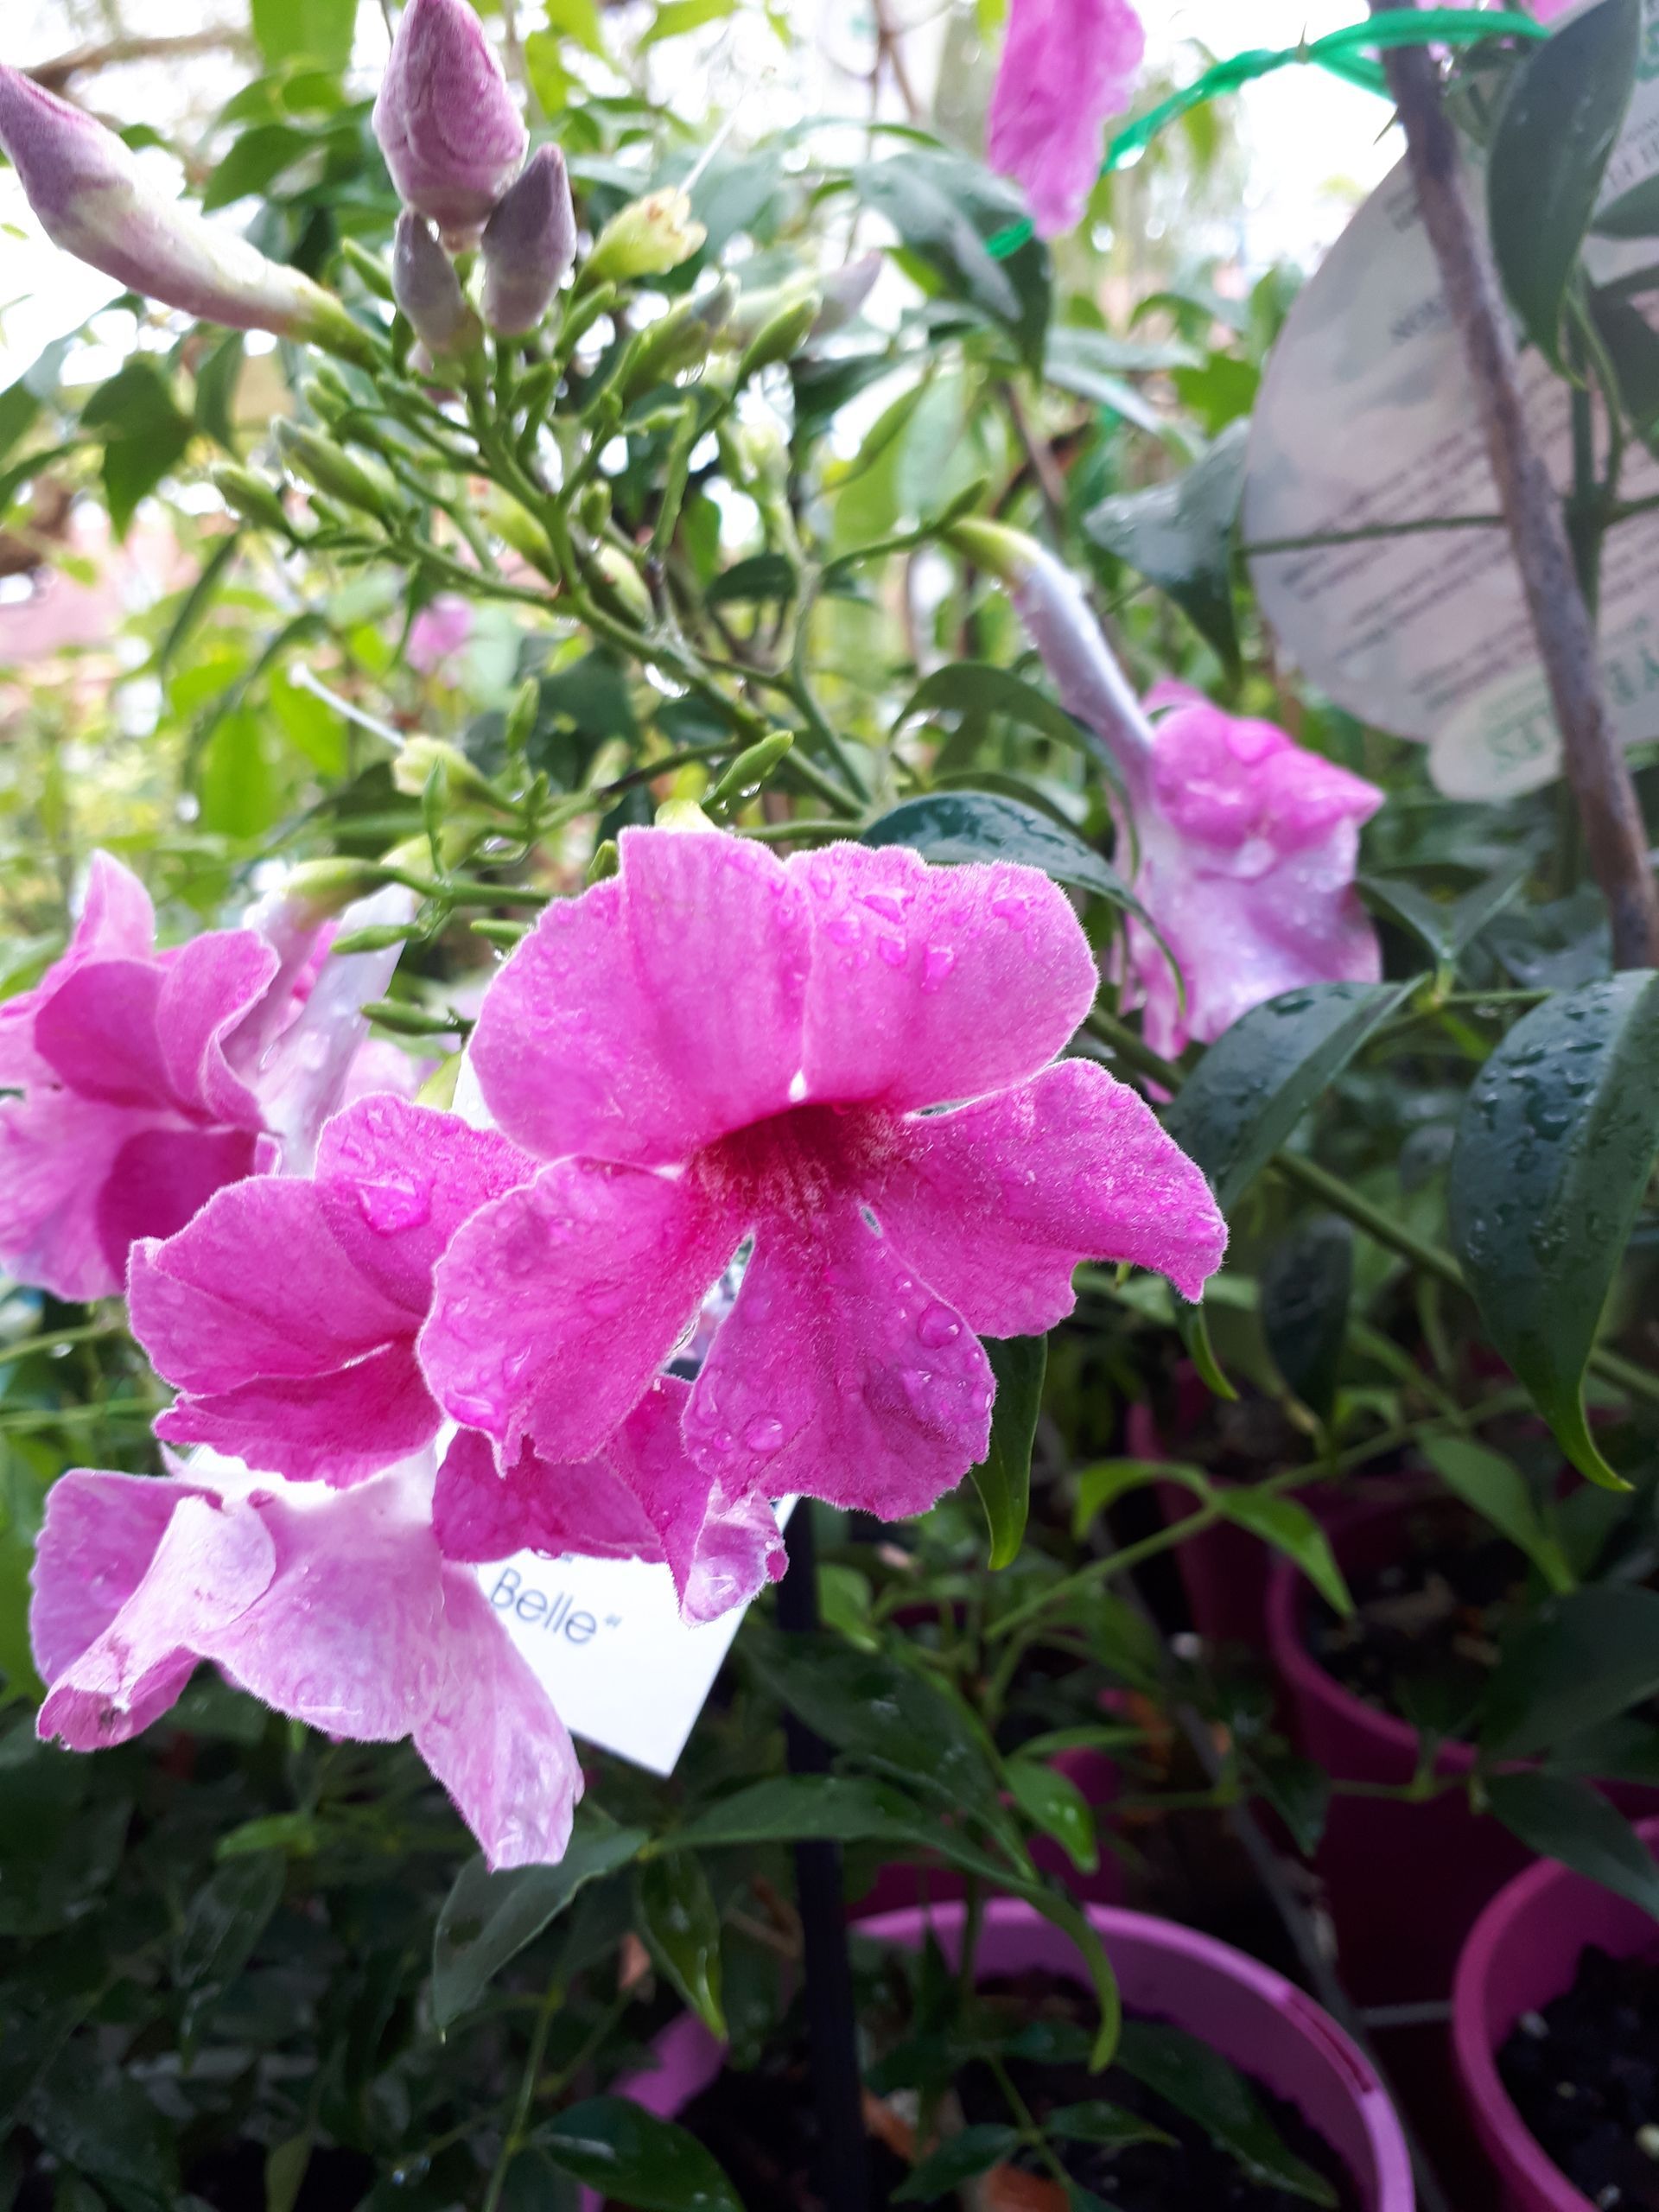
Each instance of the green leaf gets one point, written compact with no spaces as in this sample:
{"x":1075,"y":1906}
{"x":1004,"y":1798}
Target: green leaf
{"x":254,"y":163}
{"x":1632,"y":346}
{"x":680,"y":1922}
{"x":675,"y":17}
{"x":630,"y":2156}
{"x":1260,"y":1077}
{"x":197,"y":600}
{"x":487,"y":1919}
{"x":21,"y":402}
{"x":975,"y":690}
{"x":836,"y":1809}
{"x":285,"y":2168}
{"x":234,"y":778}
{"x":1578,"y":1662}
{"x":216,"y":386}
{"x":1202,"y":2085}
{"x":1179,"y":534}
{"x":960,"y":2158}
{"x":1053,"y":1801}
{"x":145,"y":432}
{"x":1446,"y":927}
{"x":1554,"y":1146}
{"x":946,"y":208}
{"x":578,"y":20}
{"x":1575,"y":1824}
{"x":1096,"y":2121}
{"x":1003,"y":1477}
{"x":1556,"y":131}
{"x":319,"y":31}
{"x":964,"y":826}
{"x":1099,"y":1487}
{"x":1306,"y":1284}
{"x":1291,"y":1528}
{"x":101,"y":2121}
{"x":1634,"y":214}
{"x":225,"y":1917}
{"x":1495,"y":1488}
{"x":1088,"y":363}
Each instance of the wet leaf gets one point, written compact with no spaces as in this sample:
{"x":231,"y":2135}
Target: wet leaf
{"x":1179,"y":535}
{"x":1580,"y":1660}
{"x":1201,"y":2084}
{"x":1554,"y":1146}
{"x":1306,"y":1284}
{"x":680,"y":1922}
{"x":1053,"y":1801}
{"x":633,"y":2158}
{"x":1575,"y":1824}
{"x":967,"y":826}
{"x":1003,"y":1477}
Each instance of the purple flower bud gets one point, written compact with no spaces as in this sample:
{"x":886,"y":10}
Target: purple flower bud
{"x":451,"y":130}
{"x":529,"y":242}
{"x":92,"y":200}
{"x":427,"y":289}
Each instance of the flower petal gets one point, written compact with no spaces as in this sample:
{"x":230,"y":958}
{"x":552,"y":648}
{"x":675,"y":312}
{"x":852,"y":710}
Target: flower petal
{"x":556,"y":1304}
{"x":493,"y":1739}
{"x":839,"y":1375}
{"x":930,"y":984}
{"x":996,"y":1204}
{"x":99,"y":1033}
{"x":210,"y":986}
{"x":721,"y":1548}
{"x":161,"y":1180}
{"x":338,"y":1426}
{"x":211,"y":1565}
{"x":481,"y":1514}
{"x":96,"y":1544}
{"x":658,"y":1012}
{"x":57,"y":1155}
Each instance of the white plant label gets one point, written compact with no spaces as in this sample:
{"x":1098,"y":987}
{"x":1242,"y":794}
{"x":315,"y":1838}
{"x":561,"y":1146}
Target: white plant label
{"x":1367,"y":417}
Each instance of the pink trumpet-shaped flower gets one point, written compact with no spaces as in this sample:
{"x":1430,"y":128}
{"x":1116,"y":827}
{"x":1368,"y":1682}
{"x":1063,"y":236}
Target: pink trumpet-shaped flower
{"x":1067,"y":65}
{"x":716,"y":1044}
{"x":92,"y":200}
{"x":447,"y":124}
{"x":150,"y":1079}
{"x":337,"y":1608}
{"x":1247,"y":842}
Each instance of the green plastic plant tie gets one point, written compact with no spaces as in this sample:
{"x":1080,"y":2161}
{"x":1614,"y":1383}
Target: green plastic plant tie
{"x":1341,"y":52}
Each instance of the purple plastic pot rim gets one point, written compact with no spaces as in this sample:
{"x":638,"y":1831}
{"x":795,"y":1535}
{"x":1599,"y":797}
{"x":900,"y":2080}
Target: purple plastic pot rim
{"x":692,"y":2057}
{"x":1307,"y":1679}
{"x":1476,"y":2061}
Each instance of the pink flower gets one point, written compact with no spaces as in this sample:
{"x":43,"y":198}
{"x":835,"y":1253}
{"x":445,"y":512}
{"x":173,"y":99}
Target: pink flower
{"x":438,"y":632}
{"x":337,"y":1608}
{"x":92,"y":200}
{"x":451,"y":130}
{"x":716,"y":1044}
{"x":1067,"y":65}
{"x":150,"y":1079}
{"x":1248,"y":842}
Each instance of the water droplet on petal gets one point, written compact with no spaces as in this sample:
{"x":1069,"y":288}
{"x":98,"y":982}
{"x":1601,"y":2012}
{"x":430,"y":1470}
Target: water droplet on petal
{"x":389,"y":1207}
{"x":937,"y":1326}
{"x":893,"y":949}
{"x":936,"y":963}
{"x":764,"y":1435}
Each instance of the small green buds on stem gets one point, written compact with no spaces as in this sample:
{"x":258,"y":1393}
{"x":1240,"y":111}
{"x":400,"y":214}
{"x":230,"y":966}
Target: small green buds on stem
{"x":743,"y":780}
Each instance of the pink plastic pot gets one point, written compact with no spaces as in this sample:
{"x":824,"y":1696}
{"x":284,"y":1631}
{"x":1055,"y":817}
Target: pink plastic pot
{"x":1524,"y":1951}
{"x":1249,"y":2014}
{"x":1404,"y":1881}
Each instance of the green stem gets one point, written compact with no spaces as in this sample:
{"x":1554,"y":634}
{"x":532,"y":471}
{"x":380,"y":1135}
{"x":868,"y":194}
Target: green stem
{"x":513,"y":2141}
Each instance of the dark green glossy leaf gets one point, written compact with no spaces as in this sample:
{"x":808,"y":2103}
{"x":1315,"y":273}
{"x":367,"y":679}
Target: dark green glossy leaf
{"x":1003,"y":1477}
{"x":977,"y":690}
{"x":1571,"y":1821}
{"x":836,"y":1809}
{"x":101,"y":2122}
{"x":1632,"y":347}
{"x":1291,"y":1528}
{"x":1260,"y":1077}
{"x":1201,"y":2084}
{"x":629,"y":2155}
{"x":1305,"y":1283}
{"x":968,"y":825}
{"x":1179,"y":535}
{"x":680,"y":1922}
{"x":1496,"y":1490}
{"x":1554,"y":1146}
{"x":1053,"y":1802}
{"x":226,"y":1917}
{"x":1560,"y":122}
{"x":960,"y":2158}
{"x":488,"y":1918}
{"x":1579,"y":1662}
{"x":1087,"y":362}
{"x":944,"y":208}
{"x":1446,"y":927}
{"x":1096,"y":2121}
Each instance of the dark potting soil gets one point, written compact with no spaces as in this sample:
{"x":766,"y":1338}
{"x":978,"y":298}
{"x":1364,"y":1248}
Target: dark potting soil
{"x":1423,"y":1636}
{"x":763,"y":2128}
{"x":1584,"y":2074}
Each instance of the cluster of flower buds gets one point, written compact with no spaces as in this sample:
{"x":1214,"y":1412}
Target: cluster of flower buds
{"x":91,"y":199}
{"x":454,"y":142}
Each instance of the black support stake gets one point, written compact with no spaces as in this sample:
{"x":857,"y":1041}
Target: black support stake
{"x":831,"y":2022}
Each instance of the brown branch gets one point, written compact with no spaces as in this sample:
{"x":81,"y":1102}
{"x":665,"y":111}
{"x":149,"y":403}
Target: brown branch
{"x":84,"y":61}
{"x":1615,"y":835}
{"x":889,"y":48}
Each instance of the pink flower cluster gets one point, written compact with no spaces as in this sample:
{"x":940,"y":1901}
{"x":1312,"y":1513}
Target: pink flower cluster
{"x":439,"y":1344}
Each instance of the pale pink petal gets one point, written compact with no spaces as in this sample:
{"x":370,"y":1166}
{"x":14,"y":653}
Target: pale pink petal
{"x":722,"y":1549}
{"x":337,"y":1426}
{"x":838,"y":1374}
{"x":556,"y":1304}
{"x":656,"y":1012}
{"x":995,"y":1204}
{"x":493,"y":1739}
{"x":95,"y":1547}
{"x":739,"y":1549}
{"x":212,"y":1563}
{"x":481,"y":1514}
{"x":116,"y":922}
{"x":1226,"y":780}
{"x":930,"y":984}
{"x":1067,"y":65}
{"x":396,"y":1180}
{"x":257,"y":1284}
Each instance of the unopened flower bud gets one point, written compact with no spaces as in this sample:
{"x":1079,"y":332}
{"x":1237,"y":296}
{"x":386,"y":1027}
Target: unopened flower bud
{"x":447,"y":124}
{"x":607,"y":862}
{"x":516,"y":526}
{"x":622,"y":584}
{"x":85,"y":188}
{"x":676,"y":341}
{"x":593,"y":507}
{"x":751,"y":769}
{"x":425,"y":286}
{"x":324,"y":466}
{"x":780,"y":338}
{"x":844,"y":292}
{"x":646,"y":238}
{"x":412,"y":770}
{"x":529,"y":242}
{"x":254,"y":499}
